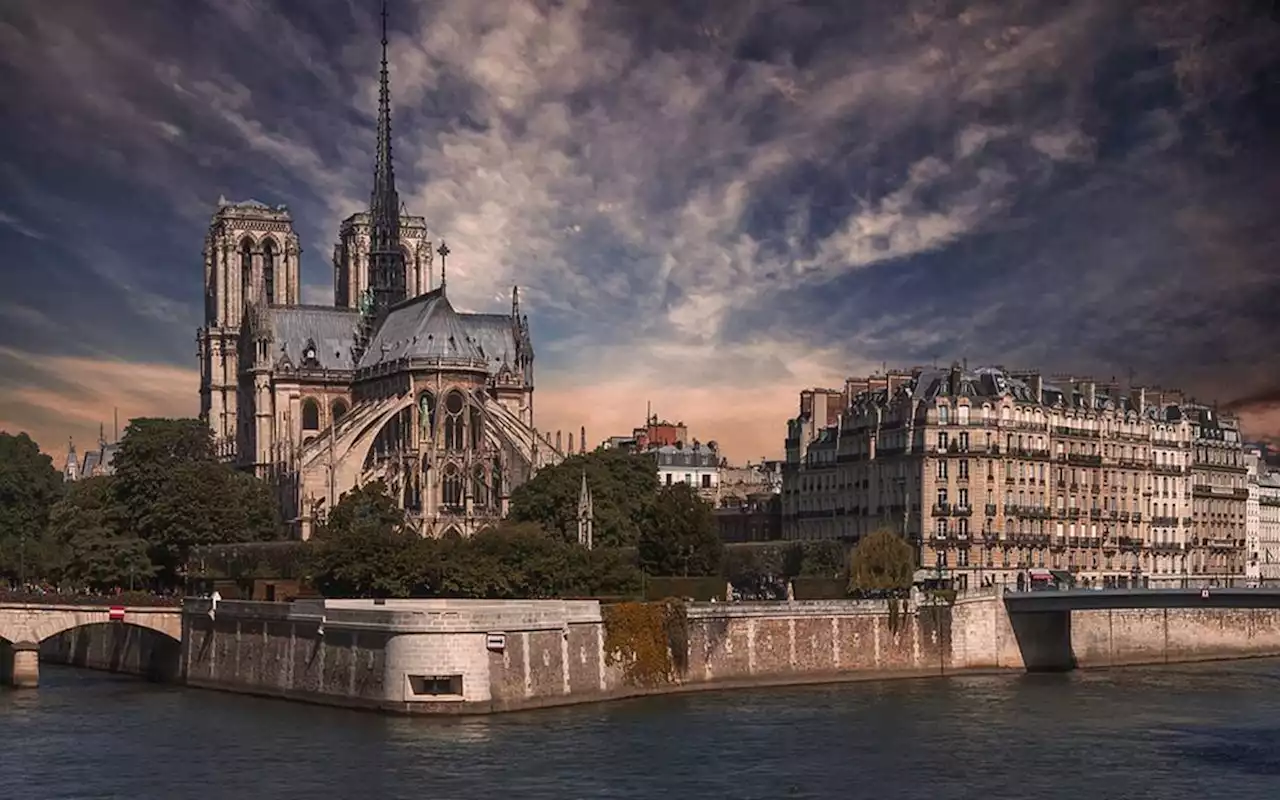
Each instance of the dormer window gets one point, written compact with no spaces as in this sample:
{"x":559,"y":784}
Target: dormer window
{"x":309,"y":358}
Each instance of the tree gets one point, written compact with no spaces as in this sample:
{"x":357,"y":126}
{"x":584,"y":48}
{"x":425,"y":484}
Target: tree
{"x":882,"y":562}
{"x":364,"y":549}
{"x":94,"y":554}
{"x":29,"y":486}
{"x":171,"y":492}
{"x":623,"y":486}
{"x":680,"y":538}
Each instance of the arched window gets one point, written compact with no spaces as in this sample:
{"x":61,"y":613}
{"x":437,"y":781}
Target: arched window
{"x":452,"y":488}
{"x":246,"y":270}
{"x":339,"y":409}
{"x":479,"y":490}
{"x":454,"y":406}
{"x":310,"y":415}
{"x":269,"y":271}
{"x":477,"y":428}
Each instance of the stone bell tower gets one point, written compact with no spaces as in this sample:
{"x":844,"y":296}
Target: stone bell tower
{"x":251,"y":256}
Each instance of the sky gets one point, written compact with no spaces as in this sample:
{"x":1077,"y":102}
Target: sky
{"x":708,"y":206}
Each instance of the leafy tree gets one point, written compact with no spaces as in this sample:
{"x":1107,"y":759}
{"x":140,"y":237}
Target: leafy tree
{"x":29,"y":486}
{"x":623,"y":486}
{"x":171,"y":492}
{"x":94,"y":554}
{"x":364,"y":549}
{"x":680,"y":538}
{"x":824,"y":558}
{"x":883,"y":561}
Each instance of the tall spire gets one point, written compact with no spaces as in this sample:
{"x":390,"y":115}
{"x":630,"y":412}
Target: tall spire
{"x":386,"y":268}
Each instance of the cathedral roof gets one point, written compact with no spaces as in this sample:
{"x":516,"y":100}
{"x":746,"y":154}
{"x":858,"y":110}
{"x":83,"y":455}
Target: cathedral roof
{"x":495,"y":336}
{"x":330,"y":330}
{"x":425,"y":327}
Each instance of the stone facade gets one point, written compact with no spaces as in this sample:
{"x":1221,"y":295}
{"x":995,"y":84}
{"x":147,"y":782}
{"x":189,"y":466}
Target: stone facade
{"x":993,"y":473}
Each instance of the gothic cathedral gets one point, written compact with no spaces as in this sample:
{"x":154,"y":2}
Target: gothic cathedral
{"x":390,"y":383}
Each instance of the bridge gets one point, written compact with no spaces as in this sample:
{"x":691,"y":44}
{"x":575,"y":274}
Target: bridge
{"x":1064,"y":629}
{"x":23,"y":626}
{"x":1093,"y":599}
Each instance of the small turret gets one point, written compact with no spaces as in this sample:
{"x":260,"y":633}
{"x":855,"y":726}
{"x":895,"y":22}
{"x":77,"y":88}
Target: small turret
{"x":71,"y":471}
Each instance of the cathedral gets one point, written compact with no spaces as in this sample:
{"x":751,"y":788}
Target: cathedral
{"x":389,"y":383}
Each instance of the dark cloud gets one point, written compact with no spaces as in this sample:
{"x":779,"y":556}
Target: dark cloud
{"x":767,"y":192}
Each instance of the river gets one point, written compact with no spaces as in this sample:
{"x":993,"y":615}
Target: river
{"x":1197,"y":732}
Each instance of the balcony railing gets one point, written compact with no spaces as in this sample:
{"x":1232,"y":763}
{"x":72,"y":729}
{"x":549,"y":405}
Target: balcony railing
{"x":1164,"y":522}
{"x":990,"y":509}
{"x":1084,"y":459}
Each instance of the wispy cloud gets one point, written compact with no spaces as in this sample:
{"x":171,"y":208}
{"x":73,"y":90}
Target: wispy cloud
{"x":707,"y":205}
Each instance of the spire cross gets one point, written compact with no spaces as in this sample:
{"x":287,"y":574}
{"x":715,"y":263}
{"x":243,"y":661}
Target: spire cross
{"x":443,"y":250}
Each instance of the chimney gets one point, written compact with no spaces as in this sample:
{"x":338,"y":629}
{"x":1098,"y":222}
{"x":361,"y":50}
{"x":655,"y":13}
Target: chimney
{"x":1090,"y":395}
{"x":1138,"y":398}
{"x":570,"y":442}
{"x":953,"y":379}
{"x":558,"y":441}
{"x":582,"y":439}
{"x":1036,"y":382}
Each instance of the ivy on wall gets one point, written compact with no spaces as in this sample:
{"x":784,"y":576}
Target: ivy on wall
{"x":649,"y":640}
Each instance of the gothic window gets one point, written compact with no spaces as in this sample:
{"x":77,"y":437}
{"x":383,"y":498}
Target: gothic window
{"x":454,"y":421}
{"x":477,"y":428}
{"x":339,"y":409}
{"x":246,"y":270}
{"x":452,"y":488}
{"x":310,"y":415}
{"x":480,"y":490}
{"x":269,"y":270}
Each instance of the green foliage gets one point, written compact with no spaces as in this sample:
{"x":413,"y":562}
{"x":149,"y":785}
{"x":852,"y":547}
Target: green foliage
{"x":649,"y":640}
{"x":29,"y":487}
{"x":623,"y":486}
{"x":171,"y":492}
{"x":883,"y":561}
{"x":365,"y":551}
{"x":680,"y":535}
{"x":93,"y":553}
{"x":245,"y":562}
{"x":700,"y":589}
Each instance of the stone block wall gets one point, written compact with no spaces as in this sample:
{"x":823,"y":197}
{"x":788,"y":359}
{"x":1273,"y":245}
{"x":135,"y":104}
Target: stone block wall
{"x":1172,"y":635}
{"x":111,"y":647}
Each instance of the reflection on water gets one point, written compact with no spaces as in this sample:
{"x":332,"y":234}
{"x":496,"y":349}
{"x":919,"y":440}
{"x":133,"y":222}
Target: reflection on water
{"x":1199,"y":732}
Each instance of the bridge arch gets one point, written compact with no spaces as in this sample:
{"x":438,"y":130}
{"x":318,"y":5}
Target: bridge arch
{"x":28,"y":626}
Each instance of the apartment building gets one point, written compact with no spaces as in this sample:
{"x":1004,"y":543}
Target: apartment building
{"x":994,"y":473}
{"x":1262,"y":520}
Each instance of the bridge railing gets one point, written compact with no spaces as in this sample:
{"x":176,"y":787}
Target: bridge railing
{"x":54,"y":598}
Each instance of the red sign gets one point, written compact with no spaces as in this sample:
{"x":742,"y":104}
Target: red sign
{"x":117,"y":614}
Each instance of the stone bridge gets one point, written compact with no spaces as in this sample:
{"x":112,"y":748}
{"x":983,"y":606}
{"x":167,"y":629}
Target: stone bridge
{"x":24,"y":626}
{"x":1061,"y":630}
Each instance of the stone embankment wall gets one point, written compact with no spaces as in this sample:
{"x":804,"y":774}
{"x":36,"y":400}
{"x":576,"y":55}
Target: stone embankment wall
{"x":125,"y":649}
{"x":451,"y":656}
{"x":1172,"y":635}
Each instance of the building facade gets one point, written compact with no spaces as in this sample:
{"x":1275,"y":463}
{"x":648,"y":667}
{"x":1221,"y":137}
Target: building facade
{"x":390,"y":383}
{"x":1262,"y":520}
{"x":994,"y":473}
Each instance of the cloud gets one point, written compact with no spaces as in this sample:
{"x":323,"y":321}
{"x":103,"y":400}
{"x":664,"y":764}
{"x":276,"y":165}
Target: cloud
{"x":711,"y":206}
{"x":54,"y":399}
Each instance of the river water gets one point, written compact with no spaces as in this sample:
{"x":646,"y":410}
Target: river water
{"x":1197,"y":732}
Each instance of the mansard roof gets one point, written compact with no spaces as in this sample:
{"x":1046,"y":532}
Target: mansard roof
{"x":987,"y":384}
{"x":423,"y":327}
{"x":331,"y":330}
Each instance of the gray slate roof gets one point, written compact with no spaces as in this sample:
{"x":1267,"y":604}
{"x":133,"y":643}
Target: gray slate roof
{"x":424,"y":327}
{"x":494,"y":335}
{"x":331,"y":329}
